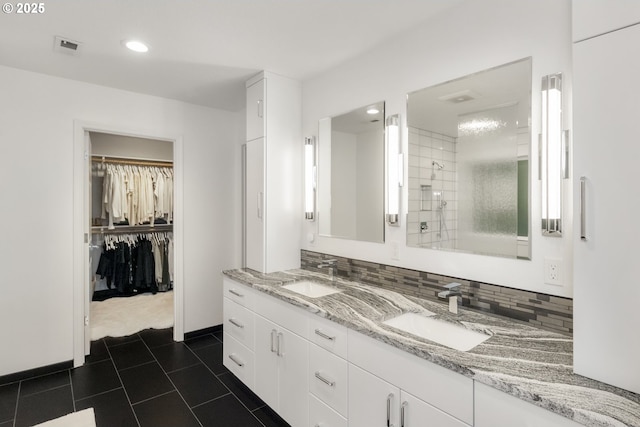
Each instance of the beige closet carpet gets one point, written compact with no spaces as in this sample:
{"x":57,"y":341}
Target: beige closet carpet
{"x":119,"y":317}
{"x":84,"y":418}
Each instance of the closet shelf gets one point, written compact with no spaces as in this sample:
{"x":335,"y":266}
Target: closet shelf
{"x":130,"y":161}
{"x":123,"y":229}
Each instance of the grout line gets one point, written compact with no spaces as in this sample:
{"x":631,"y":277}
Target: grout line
{"x":212,"y":400}
{"x":73,"y":400}
{"x":172,"y":383}
{"x":154,"y":397}
{"x":135,"y":416}
{"x":15,"y":414}
{"x":100,"y":394}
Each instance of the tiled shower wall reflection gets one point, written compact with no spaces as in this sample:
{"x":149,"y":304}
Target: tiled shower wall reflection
{"x":544,"y":311}
{"x":432,"y":190}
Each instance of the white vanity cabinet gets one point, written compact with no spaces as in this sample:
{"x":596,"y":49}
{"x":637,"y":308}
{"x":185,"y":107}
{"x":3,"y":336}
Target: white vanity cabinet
{"x":375,"y":402}
{"x":448,"y":394}
{"x":606,"y":153}
{"x":497,"y":409}
{"x":272,"y":196}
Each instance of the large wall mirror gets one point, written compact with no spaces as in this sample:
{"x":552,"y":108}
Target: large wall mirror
{"x":469,"y":150}
{"x":351,"y":175}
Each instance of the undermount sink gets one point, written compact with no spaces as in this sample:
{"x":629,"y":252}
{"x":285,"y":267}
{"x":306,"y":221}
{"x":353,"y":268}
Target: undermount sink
{"x":311,"y":289}
{"x":447,"y":334}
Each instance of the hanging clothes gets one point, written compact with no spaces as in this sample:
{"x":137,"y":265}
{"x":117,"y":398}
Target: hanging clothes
{"x":134,"y":195}
{"x":136,"y":263}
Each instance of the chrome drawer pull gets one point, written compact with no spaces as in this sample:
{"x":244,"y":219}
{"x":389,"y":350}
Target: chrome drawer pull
{"x":236,"y":293}
{"x":324,"y":380}
{"x":402,"y":410}
{"x":236,"y":361}
{"x":583,"y":208}
{"x":389,"y":398}
{"x":236,"y":323}
{"x":325,"y":336}
{"x":273,"y":335}
{"x":279,"y":352}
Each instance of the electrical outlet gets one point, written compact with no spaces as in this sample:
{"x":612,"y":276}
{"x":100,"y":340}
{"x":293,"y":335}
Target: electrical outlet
{"x":553,"y":271}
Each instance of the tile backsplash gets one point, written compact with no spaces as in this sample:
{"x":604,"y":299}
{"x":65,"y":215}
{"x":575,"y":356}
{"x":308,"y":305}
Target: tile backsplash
{"x":541,"y":310}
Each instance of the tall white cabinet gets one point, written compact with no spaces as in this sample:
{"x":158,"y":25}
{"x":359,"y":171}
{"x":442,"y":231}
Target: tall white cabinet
{"x":606,"y":104}
{"x":273,"y":199}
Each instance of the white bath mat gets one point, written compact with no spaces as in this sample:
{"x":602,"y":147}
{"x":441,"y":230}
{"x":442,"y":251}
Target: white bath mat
{"x":85,"y":418}
{"x":119,"y":317}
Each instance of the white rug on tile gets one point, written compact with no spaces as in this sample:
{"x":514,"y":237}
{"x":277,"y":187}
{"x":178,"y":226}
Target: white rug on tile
{"x":119,"y":317}
{"x":85,"y":418}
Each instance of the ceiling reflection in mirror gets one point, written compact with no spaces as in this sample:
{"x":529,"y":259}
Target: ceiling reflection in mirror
{"x":469,"y":150}
{"x":351,"y":174}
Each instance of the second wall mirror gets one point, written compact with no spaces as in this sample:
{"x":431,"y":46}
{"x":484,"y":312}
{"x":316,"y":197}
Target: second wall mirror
{"x":350,"y":202}
{"x":469,"y":150}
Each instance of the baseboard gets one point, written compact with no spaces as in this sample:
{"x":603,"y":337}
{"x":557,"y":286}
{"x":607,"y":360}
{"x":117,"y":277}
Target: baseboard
{"x":204,"y":331}
{"x":36,"y":372}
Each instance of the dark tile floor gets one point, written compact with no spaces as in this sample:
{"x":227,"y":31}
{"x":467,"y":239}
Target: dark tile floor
{"x":142,"y":380}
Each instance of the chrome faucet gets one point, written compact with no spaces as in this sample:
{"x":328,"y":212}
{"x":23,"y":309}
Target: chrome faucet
{"x":333,"y":267}
{"x":453,"y":293}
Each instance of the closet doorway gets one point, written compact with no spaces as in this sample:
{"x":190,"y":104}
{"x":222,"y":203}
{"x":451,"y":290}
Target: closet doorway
{"x":131,"y":274}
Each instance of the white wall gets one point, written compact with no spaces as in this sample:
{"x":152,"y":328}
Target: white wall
{"x":471,"y":37}
{"x":37,"y":114}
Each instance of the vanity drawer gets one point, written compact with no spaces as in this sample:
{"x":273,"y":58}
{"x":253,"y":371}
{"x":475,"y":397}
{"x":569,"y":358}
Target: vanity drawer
{"x":328,"y":335}
{"x":242,"y":294}
{"x":281,"y":313}
{"x":238,"y":322}
{"x":320,"y":415}
{"x":238,"y":359}
{"x":328,"y":378}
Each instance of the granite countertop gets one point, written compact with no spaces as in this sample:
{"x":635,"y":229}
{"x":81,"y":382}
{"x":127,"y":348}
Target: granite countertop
{"x":532,"y":364}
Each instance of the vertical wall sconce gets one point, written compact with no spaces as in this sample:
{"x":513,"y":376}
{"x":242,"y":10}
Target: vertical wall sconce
{"x":394,"y":169}
{"x":309,"y":178}
{"x":553,"y":149}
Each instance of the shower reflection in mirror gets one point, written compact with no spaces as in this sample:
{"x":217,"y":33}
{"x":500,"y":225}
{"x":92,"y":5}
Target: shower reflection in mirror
{"x":469,"y":148}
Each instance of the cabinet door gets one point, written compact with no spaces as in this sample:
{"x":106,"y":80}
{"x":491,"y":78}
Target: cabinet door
{"x":606,"y":153}
{"x":256,"y":112}
{"x":255,"y":209}
{"x":293,"y":386}
{"x":494,"y":408}
{"x":266,"y":361}
{"x":372,"y":402}
{"x":417,"y":413}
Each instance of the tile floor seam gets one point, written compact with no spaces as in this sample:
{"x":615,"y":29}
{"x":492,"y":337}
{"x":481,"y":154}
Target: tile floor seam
{"x":211,"y":400}
{"x":180,"y":369}
{"x":172,"y":383}
{"x":15,"y":413}
{"x":137,"y":366}
{"x":44,"y":391}
{"x":99,"y":394}
{"x":113,"y":363}
{"x":73,"y":400}
{"x":153,"y":397}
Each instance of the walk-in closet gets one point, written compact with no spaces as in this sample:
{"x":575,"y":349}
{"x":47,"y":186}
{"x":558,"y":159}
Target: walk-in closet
{"x":131,"y":247}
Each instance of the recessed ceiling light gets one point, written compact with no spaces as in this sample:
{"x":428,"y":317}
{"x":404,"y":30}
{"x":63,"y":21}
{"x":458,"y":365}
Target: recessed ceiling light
{"x":373,"y":110}
{"x":136,"y":46}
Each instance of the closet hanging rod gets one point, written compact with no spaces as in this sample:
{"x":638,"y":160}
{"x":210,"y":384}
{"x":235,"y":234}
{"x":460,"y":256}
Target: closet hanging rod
{"x":128,"y":229}
{"x":129,"y":161}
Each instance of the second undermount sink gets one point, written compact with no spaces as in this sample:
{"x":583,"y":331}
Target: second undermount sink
{"x":311,"y":289}
{"x":447,"y":334}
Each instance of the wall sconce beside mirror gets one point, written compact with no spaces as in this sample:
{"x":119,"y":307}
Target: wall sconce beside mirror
{"x":395,"y":171}
{"x":553,"y":151}
{"x":309,"y":178}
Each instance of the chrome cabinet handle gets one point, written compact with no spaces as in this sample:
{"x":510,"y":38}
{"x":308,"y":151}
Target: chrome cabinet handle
{"x":236,"y":323}
{"x":325,"y":336}
{"x":260,"y":108}
{"x":260,"y":204}
{"x":402,"y":410}
{"x":273,"y":334}
{"x":279,"y":352}
{"x":236,"y":293}
{"x":235,"y":360}
{"x":583,"y":208}
{"x":389,"y":399}
{"x":324,"y":380}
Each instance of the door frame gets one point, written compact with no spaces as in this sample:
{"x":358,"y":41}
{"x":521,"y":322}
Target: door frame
{"x":82,"y":233}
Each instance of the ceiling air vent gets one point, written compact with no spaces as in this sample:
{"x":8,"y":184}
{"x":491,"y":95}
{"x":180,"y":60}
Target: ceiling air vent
{"x":68,"y":46}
